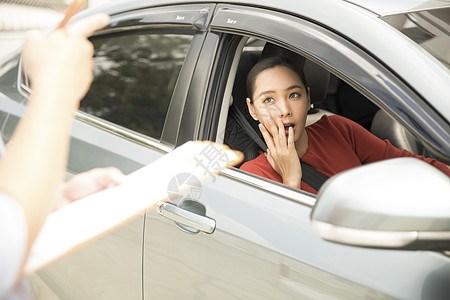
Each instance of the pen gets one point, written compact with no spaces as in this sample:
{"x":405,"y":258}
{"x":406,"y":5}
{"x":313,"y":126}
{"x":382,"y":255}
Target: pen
{"x":71,"y":10}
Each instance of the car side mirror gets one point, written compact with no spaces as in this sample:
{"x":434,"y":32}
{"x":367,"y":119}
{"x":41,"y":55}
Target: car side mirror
{"x":401,"y":203}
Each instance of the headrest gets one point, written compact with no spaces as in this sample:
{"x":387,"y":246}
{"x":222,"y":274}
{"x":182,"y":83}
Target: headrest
{"x":247,"y":61}
{"x":271,"y":50}
{"x":318,"y":80}
{"x":317,"y":77}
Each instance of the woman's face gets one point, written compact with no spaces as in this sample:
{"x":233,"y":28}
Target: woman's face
{"x":280,"y":93}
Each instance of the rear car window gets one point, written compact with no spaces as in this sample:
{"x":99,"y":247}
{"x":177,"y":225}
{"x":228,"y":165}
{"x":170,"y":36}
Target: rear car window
{"x":134,"y":78}
{"x":430,"y":29}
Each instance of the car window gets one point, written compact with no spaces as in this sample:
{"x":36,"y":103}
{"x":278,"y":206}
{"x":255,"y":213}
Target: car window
{"x":346,"y":61}
{"x":330,"y":95}
{"x":332,"y":92}
{"x":134,"y":78}
{"x":428,"y":28}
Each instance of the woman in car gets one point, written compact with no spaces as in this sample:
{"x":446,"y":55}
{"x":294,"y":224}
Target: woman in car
{"x":279,"y":102}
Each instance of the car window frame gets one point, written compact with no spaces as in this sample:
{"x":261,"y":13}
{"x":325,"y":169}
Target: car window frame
{"x":150,"y":30}
{"x":174,"y":18}
{"x":223,"y":25}
{"x":314,"y":41}
{"x":206,"y":94}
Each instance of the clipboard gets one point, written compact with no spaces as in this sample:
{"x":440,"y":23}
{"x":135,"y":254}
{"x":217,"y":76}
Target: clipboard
{"x":87,"y":219}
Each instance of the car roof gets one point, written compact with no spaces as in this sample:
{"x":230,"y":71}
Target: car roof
{"x":389,"y":7}
{"x":377,"y":7}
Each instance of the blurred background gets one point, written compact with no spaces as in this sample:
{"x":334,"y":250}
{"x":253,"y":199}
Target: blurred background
{"x":19,"y":16}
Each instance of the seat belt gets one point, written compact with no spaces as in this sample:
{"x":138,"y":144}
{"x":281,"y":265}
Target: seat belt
{"x":243,"y":122}
{"x":311,"y":176}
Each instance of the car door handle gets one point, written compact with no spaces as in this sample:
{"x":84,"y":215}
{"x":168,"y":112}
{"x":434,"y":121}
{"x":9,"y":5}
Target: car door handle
{"x":186,"y":217}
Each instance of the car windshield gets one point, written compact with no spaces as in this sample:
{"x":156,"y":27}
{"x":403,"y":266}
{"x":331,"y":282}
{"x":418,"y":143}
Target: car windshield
{"x":430,"y":29}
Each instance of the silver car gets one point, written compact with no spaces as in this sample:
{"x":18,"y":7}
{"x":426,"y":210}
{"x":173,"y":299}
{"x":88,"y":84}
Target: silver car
{"x":171,"y":71}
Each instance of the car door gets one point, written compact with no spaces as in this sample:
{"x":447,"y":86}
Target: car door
{"x":143,"y":64}
{"x":262,"y":245}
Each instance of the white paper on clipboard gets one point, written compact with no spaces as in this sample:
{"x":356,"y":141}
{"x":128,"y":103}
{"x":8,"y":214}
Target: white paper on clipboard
{"x":89,"y":218}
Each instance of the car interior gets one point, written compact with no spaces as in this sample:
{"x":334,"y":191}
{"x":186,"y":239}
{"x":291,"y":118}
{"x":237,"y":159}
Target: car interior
{"x":329,"y":95}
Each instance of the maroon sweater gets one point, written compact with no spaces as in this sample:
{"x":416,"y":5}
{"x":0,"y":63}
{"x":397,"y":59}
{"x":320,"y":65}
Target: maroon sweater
{"x":336,"y":144}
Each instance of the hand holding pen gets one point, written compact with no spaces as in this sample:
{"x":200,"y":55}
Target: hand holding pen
{"x":61,"y":61}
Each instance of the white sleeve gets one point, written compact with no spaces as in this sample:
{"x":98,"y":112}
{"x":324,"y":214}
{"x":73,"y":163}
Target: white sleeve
{"x":13,"y":242}
{"x":2,"y":147}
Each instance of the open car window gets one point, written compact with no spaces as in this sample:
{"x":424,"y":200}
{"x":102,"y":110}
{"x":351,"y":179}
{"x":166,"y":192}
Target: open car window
{"x":330,"y":96}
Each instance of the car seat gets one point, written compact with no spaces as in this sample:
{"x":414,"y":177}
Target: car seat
{"x":242,"y":131}
{"x":355,"y":106}
{"x":386,"y":127}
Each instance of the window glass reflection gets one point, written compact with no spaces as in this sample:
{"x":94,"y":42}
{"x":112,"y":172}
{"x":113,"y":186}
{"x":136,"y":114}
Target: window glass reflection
{"x":134,"y":78}
{"x":429,"y":29}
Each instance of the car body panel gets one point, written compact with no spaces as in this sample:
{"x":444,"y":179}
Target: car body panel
{"x":109,"y":268}
{"x":119,"y":253}
{"x":264,"y":248}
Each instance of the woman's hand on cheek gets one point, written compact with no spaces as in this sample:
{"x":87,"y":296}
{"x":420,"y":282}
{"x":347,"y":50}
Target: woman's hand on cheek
{"x":281,"y":152}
